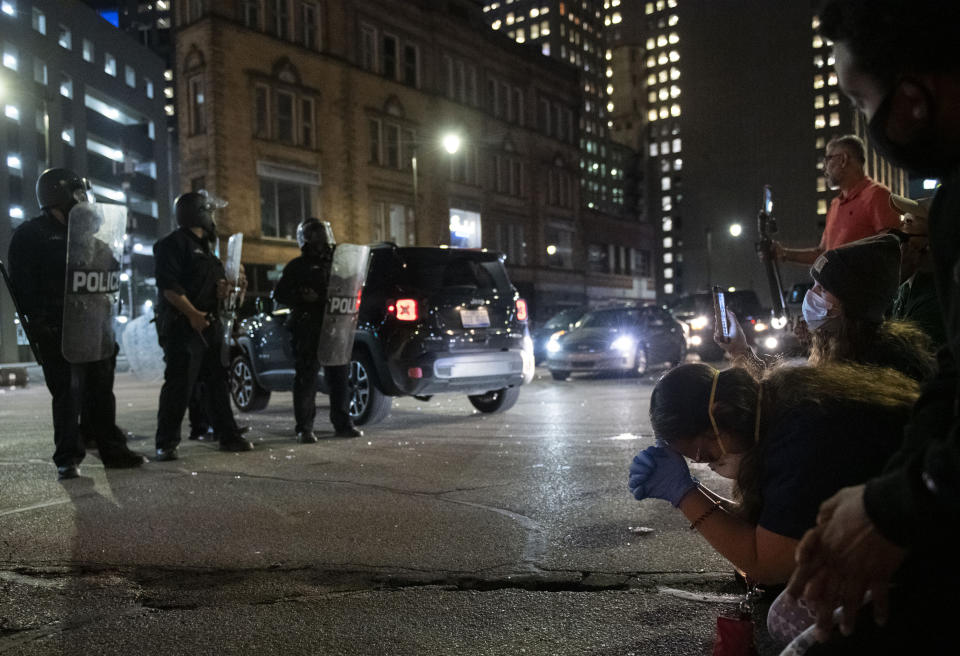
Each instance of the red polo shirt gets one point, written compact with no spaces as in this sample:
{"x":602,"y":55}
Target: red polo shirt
{"x":860,"y":212}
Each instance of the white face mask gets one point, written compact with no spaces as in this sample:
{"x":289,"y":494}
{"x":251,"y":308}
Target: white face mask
{"x":727,"y":465}
{"x":816,"y":310}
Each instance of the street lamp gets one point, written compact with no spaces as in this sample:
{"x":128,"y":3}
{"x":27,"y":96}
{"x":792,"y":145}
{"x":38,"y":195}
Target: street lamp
{"x":735,"y":229}
{"x":450,"y":142}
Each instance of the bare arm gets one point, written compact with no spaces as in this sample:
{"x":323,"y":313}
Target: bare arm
{"x":764,"y":556}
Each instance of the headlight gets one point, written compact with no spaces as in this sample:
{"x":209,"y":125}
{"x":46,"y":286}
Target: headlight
{"x":624,"y":344}
{"x":771,"y":343}
{"x":553,"y":344}
{"x":759,"y":327}
{"x":699,"y":323}
{"x":696,"y":340}
{"x":778,"y":322}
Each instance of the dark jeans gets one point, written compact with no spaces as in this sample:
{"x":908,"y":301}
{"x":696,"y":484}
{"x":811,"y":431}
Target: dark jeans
{"x":197,"y":411}
{"x":306,"y":338}
{"x":188,"y":360}
{"x":83,"y":404}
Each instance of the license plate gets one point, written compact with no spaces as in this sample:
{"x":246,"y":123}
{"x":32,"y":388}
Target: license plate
{"x":475,"y":318}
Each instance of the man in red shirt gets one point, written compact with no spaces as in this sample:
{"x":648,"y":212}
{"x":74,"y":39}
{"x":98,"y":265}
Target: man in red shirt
{"x":862,"y":208}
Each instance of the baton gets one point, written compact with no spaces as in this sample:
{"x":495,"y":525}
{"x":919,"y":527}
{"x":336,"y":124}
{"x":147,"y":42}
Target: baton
{"x":24,"y":322}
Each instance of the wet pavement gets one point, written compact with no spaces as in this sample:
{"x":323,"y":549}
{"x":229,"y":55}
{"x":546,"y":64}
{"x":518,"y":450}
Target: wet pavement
{"x":441,"y":531}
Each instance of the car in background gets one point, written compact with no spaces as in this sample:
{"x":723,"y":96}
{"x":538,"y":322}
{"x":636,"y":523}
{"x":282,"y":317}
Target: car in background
{"x":696,"y":310}
{"x":563,"y":320}
{"x":431,"y":321}
{"x":795,"y":297}
{"x":620,"y":339}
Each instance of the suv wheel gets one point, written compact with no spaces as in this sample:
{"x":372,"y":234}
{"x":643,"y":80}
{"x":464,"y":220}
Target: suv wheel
{"x":368,"y":405}
{"x":499,"y":400}
{"x":559,"y":374}
{"x":247,"y":395}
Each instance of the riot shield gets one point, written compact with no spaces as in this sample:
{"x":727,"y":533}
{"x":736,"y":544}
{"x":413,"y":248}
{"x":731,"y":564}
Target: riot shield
{"x":228,"y":305}
{"x":348,"y":271}
{"x":95,"y":239}
{"x":139,"y":341}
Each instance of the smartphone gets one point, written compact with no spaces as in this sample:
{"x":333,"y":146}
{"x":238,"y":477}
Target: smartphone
{"x":768,"y":199}
{"x":720,"y":313}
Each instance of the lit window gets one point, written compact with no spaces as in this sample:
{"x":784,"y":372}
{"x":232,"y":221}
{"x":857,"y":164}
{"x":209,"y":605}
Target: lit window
{"x":677,"y":164}
{"x":168,"y":92}
{"x":521,"y":37}
{"x":830,"y":60}
{"x":149,"y":85}
{"x":651,"y":79}
{"x":676,"y":145}
{"x":67,"y":135}
{"x":496,"y":24}
{"x":668,"y":258}
{"x":610,"y":89}
{"x":817,"y":41}
{"x":821,"y":183}
{"x":661,"y":40}
{"x":819,"y":121}
{"x":617,"y":17}
{"x":651,"y":44}
{"x":12,"y":112}
{"x":169,"y":110}
{"x":651,"y":61}
{"x":815,"y":23}
{"x":834,"y":99}
{"x":88,"y":52}
{"x":674,"y":110}
{"x":662,"y":59}
{"x":668,"y":273}
{"x":652,"y":97}
{"x":817,"y":81}
{"x":65,"y":38}
{"x":109,"y":64}
{"x":665,"y":183}
{"x":673,"y":20}
{"x":534,"y":12}
{"x":648,"y":9}
{"x":665,"y":147}
{"x":668,"y":242}
{"x":130,"y":76}
{"x":168,"y":75}
{"x":666,"y":203}
{"x":667,"y":224}
{"x":652,"y":116}
{"x":674,"y":56}
{"x":674,"y":73}
{"x":608,"y":55}
{"x":822,"y":206}
{"x":11,"y":58}
{"x":662,"y":76}
{"x":673,"y":38}
{"x":546,"y":48}
{"x":664,"y":112}
{"x":834,"y":119}
{"x":832,"y":80}
{"x":821,"y":142}
{"x":16,"y":212}
{"x":39,"y":21}
{"x":654,"y":151}
{"x":510,"y":18}
{"x":609,"y":72}
{"x":668,"y":288}
{"x":818,"y":102}
{"x":545,"y":30}
{"x":674,"y":91}
{"x":66,"y":86}
{"x":818,"y":61}
{"x":663,"y":94}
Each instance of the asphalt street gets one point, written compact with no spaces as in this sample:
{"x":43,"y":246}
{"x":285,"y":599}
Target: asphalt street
{"x":441,"y":531}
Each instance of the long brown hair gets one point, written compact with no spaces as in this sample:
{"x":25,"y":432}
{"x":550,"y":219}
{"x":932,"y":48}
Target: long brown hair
{"x":900,"y":345}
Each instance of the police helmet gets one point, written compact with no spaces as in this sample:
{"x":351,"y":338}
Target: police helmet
{"x":61,"y":189}
{"x":194,"y":209}
{"x":315,"y":233}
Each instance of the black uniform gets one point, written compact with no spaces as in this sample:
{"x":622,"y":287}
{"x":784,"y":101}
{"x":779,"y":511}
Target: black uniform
{"x":83,"y":400}
{"x":312,"y":272}
{"x":185,"y":264}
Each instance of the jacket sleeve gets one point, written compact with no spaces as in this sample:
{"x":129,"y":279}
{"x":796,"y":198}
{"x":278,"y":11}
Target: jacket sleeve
{"x":169,"y":263}
{"x":287,"y":292}
{"x":25,"y":272}
{"x":918,"y":495}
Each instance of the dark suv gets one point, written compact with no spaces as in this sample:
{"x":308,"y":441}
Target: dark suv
{"x":431,"y":320}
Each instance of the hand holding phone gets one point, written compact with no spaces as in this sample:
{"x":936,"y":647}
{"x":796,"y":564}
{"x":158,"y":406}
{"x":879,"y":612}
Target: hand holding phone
{"x":720,"y":314}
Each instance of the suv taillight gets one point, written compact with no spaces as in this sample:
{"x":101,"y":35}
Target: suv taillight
{"x":405,"y":309}
{"x":521,"y":310}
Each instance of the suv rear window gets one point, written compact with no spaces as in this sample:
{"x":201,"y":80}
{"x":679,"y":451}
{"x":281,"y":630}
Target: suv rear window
{"x":609,"y":319}
{"x":435,"y":270}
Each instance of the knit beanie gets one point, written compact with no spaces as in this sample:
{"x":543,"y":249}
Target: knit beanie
{"x":864,"y":275}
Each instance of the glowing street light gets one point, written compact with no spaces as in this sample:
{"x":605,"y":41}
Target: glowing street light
{"x":451,"y":142}
{"x":735,"y":229}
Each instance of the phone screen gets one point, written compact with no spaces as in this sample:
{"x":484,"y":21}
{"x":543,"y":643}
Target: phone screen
{"x":767,"y":199}
{"x":720,"y":310}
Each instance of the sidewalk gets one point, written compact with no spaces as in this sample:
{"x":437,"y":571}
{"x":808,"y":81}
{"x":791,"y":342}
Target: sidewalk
{"x":35,"y":372}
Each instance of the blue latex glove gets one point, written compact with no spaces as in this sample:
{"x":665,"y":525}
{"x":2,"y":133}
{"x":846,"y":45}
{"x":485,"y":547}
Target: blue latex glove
{"x":659,"y":472}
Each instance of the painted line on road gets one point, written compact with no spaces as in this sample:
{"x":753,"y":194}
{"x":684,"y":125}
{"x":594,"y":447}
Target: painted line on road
{"x":36,"y":506}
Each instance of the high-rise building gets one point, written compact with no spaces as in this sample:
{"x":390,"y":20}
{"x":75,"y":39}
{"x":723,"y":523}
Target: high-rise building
{"x":611,"y":181}
{"x":723,"y":98}
{"x":78,"y":93}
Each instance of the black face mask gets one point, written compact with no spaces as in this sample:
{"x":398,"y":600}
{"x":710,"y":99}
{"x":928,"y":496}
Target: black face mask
{"x":924,"y":156}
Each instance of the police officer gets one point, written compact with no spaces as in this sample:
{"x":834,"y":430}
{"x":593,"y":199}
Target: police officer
{"x":190,"y":282}
{"x":303,"y":288}
{"x":83,"y":400}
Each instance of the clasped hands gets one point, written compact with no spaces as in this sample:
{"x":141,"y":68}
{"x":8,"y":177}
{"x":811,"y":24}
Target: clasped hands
{"x":659,"y":472}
